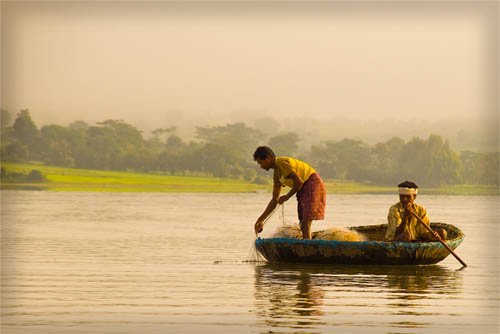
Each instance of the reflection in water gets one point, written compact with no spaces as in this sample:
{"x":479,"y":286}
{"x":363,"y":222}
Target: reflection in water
{"x":309,"y":297}
{"x":288,"y":296}
{"x":415,"y":285}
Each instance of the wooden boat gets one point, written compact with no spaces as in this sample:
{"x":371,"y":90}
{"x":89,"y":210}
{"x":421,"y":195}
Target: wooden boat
{"x":373,"y":251}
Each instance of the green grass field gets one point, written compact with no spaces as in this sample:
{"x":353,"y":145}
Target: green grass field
{"x":69,"y":179}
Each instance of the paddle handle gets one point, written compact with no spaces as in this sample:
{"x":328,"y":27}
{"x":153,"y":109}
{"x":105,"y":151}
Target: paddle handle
{"x":439,"y":239}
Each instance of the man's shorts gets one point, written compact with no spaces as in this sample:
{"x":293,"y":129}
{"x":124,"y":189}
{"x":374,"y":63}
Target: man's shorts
{"x":312,"y":199}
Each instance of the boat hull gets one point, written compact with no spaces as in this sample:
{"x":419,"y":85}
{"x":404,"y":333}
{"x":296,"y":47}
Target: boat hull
{"x":374,"y":251}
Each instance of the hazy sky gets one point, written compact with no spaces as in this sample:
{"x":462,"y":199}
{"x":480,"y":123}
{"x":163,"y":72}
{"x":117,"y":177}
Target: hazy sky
{"x":158,"y":64}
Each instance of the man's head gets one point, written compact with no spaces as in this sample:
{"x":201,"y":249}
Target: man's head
{"x":407,"y":193}
{"x":264,"y":156}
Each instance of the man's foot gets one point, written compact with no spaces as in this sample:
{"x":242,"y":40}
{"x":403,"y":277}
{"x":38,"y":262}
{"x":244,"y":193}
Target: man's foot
{"x":403,"y":237}
{"x":442,"y":233}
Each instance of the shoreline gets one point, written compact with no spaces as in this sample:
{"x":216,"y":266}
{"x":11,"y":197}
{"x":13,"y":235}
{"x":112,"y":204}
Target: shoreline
{"x":70,"y":179}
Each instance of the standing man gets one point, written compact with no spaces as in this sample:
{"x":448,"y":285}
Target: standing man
{"x":302,"y":179}
{"x":402,"y":225}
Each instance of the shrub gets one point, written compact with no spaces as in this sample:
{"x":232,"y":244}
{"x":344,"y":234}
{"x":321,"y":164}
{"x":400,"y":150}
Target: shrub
{"x":260,"y":180}
{"x":35,"y":176}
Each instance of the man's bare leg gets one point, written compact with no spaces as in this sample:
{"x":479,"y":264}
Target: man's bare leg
{"x":305,"y":227}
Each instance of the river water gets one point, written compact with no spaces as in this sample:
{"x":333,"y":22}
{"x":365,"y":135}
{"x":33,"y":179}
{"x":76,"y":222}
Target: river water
{"x":176,"y":263}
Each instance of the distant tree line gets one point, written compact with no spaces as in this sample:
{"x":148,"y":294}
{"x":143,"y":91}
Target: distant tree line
{"x":226,"y":151}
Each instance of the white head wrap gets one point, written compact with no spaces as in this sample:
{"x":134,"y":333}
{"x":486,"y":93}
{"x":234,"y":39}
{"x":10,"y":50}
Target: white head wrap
{"x":407,"y":191}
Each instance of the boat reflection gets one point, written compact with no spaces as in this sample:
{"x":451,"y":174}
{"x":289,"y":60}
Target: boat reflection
{"x":312,"y":296}
{"x":288,"y":296}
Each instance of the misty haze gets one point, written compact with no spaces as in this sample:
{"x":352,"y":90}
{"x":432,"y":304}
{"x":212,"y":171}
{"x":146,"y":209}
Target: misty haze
{"x":325,"y":71}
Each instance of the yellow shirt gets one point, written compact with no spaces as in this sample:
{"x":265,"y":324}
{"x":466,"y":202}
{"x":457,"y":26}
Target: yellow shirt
{"x":285,"y":166}
{"x":414,"y":228}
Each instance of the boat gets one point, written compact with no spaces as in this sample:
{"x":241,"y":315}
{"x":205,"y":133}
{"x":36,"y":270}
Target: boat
{"x":373,"y":251}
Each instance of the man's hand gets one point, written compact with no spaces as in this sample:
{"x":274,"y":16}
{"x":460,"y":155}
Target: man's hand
{"x":259,"y":226}
{"x":409,"y":207}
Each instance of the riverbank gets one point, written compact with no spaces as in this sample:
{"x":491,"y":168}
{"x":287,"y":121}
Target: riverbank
{"x":39,"y":177}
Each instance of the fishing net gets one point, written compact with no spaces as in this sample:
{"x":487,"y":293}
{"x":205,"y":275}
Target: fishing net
{"x":289,"y":230}
{"x":253,"y":254}
{"x":340,"y":234}
{"x":334,"y":233}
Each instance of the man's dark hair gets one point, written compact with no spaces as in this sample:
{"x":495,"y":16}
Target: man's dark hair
{"x":262,"y":152}
{"x":408,"y":184}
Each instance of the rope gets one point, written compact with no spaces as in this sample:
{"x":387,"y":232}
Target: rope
{"x":283,"y":214}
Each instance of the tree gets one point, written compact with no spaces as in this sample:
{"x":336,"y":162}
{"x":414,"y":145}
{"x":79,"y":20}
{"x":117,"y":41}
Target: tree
{"x":384,"y":160}
{"x":480,"y":168}
{"x":215,"y":160}
{"x":79,"y":125}
{"x":285,"y":143}
{"x":58,"y":144}
{"x":114,"y":144}
{"x":100,"y":149}
{"x":489,"y":169}
{"x":25,"y":129}
{"x":157,"y":143}
{"x":126,"y":135}
{"x":469,"y":164}
{"x":5,"y":119}
{"x":413,"y":161}
{"x":162,"y":131}
{"x":444,"y":164}
{"x":26,"y":132}
{"x":174,"y":144}
{"x":15,"y":151}
{"x":345,"y":159}
{"x":232,"y":145}
{"x":5,"y":133}
{"x":431,"y":162}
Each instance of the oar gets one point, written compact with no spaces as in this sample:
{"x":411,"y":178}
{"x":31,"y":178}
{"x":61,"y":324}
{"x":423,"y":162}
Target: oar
{"x":439,"y":238}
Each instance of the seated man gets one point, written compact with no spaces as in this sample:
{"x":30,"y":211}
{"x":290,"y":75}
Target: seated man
{"x":402,"y":225}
